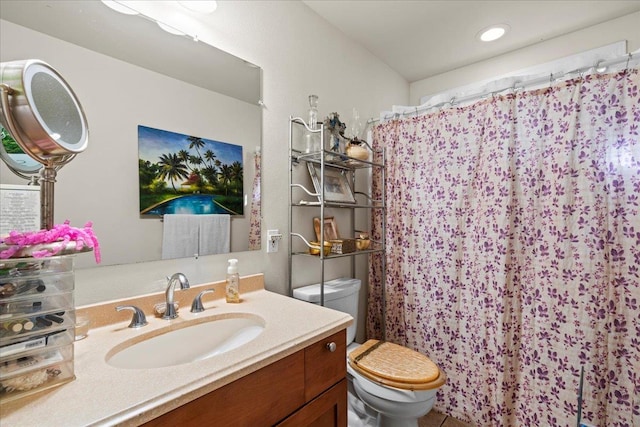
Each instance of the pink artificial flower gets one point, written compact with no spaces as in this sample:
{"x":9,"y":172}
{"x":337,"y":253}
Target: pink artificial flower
{"x":59,"y":237}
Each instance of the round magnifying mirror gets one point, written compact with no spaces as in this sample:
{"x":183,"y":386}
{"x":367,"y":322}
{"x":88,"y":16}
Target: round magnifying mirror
{"x":41,"y":111}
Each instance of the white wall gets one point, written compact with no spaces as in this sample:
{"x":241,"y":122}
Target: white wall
{"x":624,"y":28}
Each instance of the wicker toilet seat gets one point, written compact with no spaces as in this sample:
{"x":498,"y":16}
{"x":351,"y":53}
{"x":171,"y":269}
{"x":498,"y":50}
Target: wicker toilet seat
{"x":396,"y":366}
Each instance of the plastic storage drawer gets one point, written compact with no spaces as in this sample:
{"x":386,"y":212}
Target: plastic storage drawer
{"x":37,"y":321}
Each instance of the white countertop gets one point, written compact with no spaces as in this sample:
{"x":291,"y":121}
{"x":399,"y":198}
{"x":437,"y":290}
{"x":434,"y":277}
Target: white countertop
{"x":104,"y":395}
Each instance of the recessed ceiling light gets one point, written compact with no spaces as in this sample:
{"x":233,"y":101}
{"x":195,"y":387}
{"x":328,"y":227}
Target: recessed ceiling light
{"x":493,"y":32}
{"x":119,"y":7}
{"x":200,"y":6}
{"x":169,"y":29}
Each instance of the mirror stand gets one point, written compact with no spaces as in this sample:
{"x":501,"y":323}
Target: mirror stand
{"x":45,"y":119}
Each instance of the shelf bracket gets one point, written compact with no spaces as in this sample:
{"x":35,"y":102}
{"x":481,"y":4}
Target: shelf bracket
{"x":305,"y":190}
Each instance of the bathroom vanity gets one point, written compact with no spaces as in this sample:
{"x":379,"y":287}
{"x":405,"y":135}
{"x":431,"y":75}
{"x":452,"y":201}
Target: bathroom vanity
{"x":305,"y":388}
{"x":292,"y":374}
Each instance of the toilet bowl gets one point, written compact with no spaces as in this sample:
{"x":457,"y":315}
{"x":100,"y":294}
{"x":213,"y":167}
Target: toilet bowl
{"x":389,"y":385}
{"x":399,"y":384}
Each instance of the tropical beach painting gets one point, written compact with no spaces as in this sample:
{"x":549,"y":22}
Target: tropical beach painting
{"x":184,"y":174}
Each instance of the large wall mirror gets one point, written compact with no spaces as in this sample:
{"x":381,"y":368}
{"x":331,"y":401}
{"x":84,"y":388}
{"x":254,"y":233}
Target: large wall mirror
{"x":127,"y":73}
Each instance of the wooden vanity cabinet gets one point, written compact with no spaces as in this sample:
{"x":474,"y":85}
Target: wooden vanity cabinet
{"x":328,"y":409}
{"x":307,"y":388}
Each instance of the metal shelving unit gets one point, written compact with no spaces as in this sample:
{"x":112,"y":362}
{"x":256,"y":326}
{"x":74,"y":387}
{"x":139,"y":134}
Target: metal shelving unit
{"x":315,"y":202}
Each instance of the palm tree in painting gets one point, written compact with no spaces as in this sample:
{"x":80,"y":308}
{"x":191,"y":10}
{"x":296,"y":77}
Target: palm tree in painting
{"x":197,"y":143}
{"x":197,"y":161}
{"x":172,"y":167}
{"x":210,"y":157}
{"x":211,"y":174}
{"x":236,"y":174}
{"x":226,"y":174}
{"x":237,"y":170}
{"x":186,"y":158}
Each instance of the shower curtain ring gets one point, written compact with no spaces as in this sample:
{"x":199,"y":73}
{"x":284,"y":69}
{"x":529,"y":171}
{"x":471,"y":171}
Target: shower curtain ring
{"x":452,"y":101}
{"x":626,"y":68}
{"x":516,"y":88}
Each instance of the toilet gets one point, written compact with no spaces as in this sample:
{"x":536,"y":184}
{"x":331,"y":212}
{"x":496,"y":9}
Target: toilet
{"x":389,"y":385}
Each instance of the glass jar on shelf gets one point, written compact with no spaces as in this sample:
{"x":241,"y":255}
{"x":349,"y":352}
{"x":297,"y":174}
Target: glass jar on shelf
{"x":312,"y":138}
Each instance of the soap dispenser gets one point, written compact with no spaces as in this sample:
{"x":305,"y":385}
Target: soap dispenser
{"x":233,"y":282}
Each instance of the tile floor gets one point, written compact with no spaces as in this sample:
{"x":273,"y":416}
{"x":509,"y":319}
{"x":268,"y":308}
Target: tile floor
{"x":436,"y":419}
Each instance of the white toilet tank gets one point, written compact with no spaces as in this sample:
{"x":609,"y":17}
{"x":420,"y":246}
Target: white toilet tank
{"x":339,"y":294}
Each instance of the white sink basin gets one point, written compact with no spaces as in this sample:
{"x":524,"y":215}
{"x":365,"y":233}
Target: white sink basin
{"x":185,"y":343}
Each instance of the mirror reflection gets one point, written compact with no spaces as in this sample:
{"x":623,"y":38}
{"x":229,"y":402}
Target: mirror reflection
{"x":127,"y":73}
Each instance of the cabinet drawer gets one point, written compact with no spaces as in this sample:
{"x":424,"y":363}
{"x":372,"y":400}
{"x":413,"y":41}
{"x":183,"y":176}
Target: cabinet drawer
{"x":327,"y":410}
{"x":323,"y":367}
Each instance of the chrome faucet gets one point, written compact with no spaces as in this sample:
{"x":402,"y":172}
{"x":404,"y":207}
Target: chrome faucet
{"x":170,"y":312}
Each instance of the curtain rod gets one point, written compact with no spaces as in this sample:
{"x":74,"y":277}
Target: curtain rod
{"x":600,"y":67}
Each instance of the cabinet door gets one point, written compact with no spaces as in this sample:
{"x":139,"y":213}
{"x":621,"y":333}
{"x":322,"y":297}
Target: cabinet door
{"x":323,"y":367}
{"x":259,"y":399}
{"x":327,"y":410}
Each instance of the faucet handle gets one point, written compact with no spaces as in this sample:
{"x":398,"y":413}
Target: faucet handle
{"x":138,"y":320}
{"x":196,"y":305}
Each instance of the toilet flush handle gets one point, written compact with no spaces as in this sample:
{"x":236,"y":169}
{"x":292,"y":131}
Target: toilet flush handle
{"x":331,"y":346}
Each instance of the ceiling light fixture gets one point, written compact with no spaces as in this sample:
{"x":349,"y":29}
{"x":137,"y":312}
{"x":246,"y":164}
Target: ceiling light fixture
{"x":169,"y":29}
{"x":200,"y":6}
{"x":119,"y":7}
{"x":493,"y":32}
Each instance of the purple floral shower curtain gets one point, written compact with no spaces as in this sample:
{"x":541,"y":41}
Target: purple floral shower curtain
{"x":513,"y":252}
